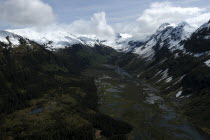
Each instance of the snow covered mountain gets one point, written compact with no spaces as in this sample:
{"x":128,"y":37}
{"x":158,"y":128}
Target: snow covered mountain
{"x":58,"y":39}
{"x":121,"y":42}
{"x":173,"y":68}
{"x":204,"y":31}
{"x":176,"y":59}
{"x":200,"y":40}
{"x":167,"y":35}
{"x":55,"y":39}
{"x":9,"y":38}
{"x":173,"y":37}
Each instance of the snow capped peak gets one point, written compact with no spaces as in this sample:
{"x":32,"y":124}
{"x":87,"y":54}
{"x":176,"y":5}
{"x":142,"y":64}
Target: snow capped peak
{"x":186,"y":27}
{"x":203,"y":32}
{"x":57,"y":38}
{"x":8,"y":37}
{"x":184,"y":23}
{"x":163,"y":26}
{"x":167,"y":35}
{"x":205,"y":26}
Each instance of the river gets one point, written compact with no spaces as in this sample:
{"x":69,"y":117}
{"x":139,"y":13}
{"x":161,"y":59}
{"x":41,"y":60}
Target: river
{"x":152,"y":116}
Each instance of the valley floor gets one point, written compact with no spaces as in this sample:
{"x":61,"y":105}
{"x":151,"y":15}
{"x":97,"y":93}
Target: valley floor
{"x":153,"y":116}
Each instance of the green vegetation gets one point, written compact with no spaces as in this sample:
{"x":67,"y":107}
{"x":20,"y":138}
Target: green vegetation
{"x":43,"y":96}
{"x":189,"y":75}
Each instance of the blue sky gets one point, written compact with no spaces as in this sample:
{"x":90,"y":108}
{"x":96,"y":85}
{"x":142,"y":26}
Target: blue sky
{"x":102,"y":17}
{"x":116,"y":10}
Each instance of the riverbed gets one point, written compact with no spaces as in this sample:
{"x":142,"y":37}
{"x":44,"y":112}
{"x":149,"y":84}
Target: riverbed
{"x":153,"y":117}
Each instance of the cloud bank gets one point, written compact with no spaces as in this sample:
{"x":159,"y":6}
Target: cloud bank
{"x":164,"y":12}
{"x":36,"y":12}
{"x":97,"y":25}
{"x":26,"y":12}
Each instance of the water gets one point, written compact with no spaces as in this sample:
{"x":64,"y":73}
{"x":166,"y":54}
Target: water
{"x":152,"y":116}
{"x":37,"y":110}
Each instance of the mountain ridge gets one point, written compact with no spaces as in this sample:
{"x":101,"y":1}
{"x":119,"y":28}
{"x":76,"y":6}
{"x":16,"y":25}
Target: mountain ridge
{"x":174,"y":59}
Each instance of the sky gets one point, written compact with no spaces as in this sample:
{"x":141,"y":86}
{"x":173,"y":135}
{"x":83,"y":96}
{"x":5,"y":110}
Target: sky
{"x":103,"y":18}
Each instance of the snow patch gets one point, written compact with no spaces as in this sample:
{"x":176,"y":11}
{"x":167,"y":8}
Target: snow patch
{"x":207,"y":63}
{"x":139,"y":74}
{"x":161,"y":62}
{"x":180,"y":79}
{"x":200,"y":54}
{"x":176,"y":55}
{"x":179,"y":94}
{"x":156,"y":74}
{"x":164,"y":75}
{"x":169,"y":79}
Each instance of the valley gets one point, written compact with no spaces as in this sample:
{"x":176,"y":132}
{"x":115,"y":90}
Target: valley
{"x":56,"y":85}
{"x":152,"y":115}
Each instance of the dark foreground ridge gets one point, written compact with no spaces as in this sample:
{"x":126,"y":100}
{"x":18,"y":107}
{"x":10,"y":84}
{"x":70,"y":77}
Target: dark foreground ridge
{"x":43,"y":96}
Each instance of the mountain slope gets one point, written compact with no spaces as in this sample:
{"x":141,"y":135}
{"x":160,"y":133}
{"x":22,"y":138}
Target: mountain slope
{"x":174,"y":59}
{"x":200,"y":40}
{"x":44,"y":96}
{"x":55,"y":39}
{"x":178,"y":64}
{"x":59,"y":39}
{"x":10,"y":38}
{"x":169,"y":36}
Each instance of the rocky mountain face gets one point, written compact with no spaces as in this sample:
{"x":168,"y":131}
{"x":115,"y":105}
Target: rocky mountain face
{"x":169,"y":36}
{"x":199,"y":41}
{"x":176,"y":60}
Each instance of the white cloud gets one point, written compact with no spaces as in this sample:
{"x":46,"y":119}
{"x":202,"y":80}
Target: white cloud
{"x":162,"y":12}
{"x":199,"y":20}
{"x":97,"y":25}
{"x":35,"y":12}
{"x":26,"y":12}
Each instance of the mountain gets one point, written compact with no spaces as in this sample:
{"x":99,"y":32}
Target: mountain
{"x":176,"y":59}
{"x":10,"y":38}
{"x":200,"y":40}
{"x":55,"y":39}
{"x":172,"y":37}
{"x":59,"y":39}
{"x":43,"y":94}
